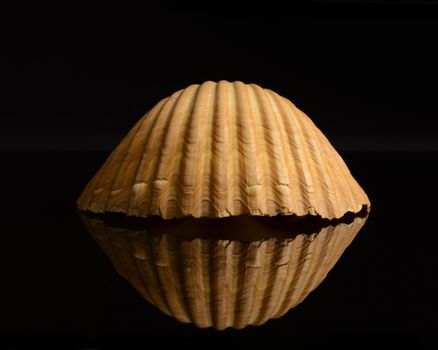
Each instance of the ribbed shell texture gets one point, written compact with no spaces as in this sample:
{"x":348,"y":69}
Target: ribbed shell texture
{"x":224,"y":149}
{"x":222,"y":283}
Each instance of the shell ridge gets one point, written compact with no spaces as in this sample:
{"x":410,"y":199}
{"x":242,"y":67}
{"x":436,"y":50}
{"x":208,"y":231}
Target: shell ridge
{"x":262,"y":150}
{"x":295,"y":202}
{"x":202,"y":183}
{"x":304,"y":160}
{"x":275,"y":281}
{"x":209,"y":292}
{"x":140,"y":164}
{"x":219,"y":182}
{"x":300,"y":252}
{"x":334,"y":184}
{"x":278,"y":162}
{"x":139,"y":270}
{"x":235,"y":192}
{"x":332,"y":164}
{"x":295,"y":150}
{"x":217,"y":266}
{"x":322,"y":176}
{"x":145,"y":184}
{"x":121,"y":164}
{"x":259,"y":281}
{"x":290,"y":252}
{"x":186,"y":255}
{"x":179,"y":114}
{"x":185,"y":181}
{"x":116,"y":201}
{"x":319,"y":253}
{"x":252,"y":171}
{"x":239,"y":272}
{"x":165,"y":256}
{"x":240,"y":168}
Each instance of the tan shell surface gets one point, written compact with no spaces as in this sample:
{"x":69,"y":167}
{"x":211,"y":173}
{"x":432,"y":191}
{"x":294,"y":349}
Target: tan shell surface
{"x":223,"y":283}
{"x":224,"y":149}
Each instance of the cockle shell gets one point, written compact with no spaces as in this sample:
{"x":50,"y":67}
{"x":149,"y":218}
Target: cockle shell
{"x":224,"y":149}
{"x":222,"y":283}
{"x":224,"y":152}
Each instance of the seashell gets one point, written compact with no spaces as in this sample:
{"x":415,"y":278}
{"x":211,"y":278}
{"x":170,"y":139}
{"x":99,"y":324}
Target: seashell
{"x":222,"y":283}
{"x":224,"y":149}
{"x":227,"y":178}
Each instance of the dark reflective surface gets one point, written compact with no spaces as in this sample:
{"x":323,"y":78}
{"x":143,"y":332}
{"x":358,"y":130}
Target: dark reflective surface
{"x":59,"y":286}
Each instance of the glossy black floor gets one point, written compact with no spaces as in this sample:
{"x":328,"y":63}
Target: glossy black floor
{"x":58,"y":286}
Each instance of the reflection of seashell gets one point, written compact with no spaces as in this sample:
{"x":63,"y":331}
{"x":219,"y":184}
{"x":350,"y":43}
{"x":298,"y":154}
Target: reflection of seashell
{"x":224,"y":149}
{"x":222,"y":283}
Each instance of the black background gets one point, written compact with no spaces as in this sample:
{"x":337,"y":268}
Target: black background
{"x":78,"y":79}
{"x":75,"y":81}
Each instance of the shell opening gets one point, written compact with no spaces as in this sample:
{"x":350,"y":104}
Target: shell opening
{"x":241,"y":228}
